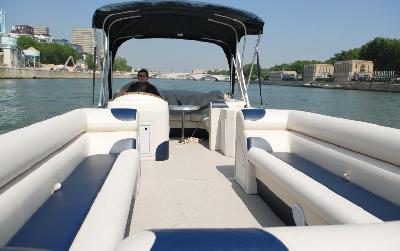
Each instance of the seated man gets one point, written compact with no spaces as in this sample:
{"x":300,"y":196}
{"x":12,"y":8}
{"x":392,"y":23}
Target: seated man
{"x":142,"y":85}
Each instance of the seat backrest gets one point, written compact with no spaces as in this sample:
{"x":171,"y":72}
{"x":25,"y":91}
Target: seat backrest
{"x":36,"y":157}
{"x":262,"y":119}
{"x":369,"y":139}
{"x":22,"y":148}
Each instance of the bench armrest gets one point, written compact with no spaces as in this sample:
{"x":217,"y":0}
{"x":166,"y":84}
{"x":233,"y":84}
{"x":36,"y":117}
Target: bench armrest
{"x":105,"y":224}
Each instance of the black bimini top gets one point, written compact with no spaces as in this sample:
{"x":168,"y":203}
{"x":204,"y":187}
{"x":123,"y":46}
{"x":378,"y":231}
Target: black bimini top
{"x":206,"y":22}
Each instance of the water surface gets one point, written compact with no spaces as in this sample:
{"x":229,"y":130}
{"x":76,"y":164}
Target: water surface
{"x":23,"y":102}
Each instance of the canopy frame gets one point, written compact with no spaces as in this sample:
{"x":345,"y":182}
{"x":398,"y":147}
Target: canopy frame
{"x":106,"y":17}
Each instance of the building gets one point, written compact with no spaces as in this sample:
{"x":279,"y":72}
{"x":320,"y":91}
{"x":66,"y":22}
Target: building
{"x":41,"y":30}
{"x":314,"y":72}
{"x":9,"y":56}
{"x":77,"y":48}
{"x":353,"y":70}
{"x":61,"y":41}
{"x":32,"y":57}
{"x":282,"y":75}
{"x":41,"y":34}
{"x":85,"y":38}
{"x":64,"y":41}
{"x":22,"y":29}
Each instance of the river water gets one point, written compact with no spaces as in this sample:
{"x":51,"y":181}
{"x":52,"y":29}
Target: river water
{"x":23,"y":102}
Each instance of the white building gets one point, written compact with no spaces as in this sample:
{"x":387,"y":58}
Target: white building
{"x":351,"y":69}
{"x":282,"y":75}
{"x":9,"y":51}
{"x":85,"y":38}
{"x":317,"y":71}
{"x":32,"y":57}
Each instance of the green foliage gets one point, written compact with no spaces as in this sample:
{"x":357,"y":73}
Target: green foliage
{"x":120,"y":64}
{"x":351,"y":54}
{"x":297,"y":66}
{"x":89,"y":61}
{"x":49,"y":53}
{"x":384,"y":52}
{"x":26,"y":41}
{"x":264,"y":73}
{"x":218,"y":72}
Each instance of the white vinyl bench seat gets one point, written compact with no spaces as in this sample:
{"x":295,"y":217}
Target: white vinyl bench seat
{"x":74,"y":189}
{"x":327,"y":170}
{"x":327,"y":187}
{"x":64,"y":212}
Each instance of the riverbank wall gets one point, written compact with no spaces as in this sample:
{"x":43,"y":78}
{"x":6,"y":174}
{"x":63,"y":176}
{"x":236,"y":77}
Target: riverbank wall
{"x":362,"y":86}
{"x":27,"y":73}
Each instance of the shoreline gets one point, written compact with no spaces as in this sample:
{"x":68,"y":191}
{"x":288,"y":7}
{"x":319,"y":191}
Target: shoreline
{"x":27,"y":73}
{"x":359,"y":86}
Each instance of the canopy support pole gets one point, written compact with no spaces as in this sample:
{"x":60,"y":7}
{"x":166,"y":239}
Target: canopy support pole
{"x":110,"y":75}
{"x":104,"y":73}
{"x":254,"y":58}
{"x":259,"y":79}
{"x":94,"y":73}
{"x":242,"y":81}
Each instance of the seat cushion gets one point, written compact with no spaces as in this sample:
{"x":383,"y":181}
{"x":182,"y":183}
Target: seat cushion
{"x":375,"y":205}
{"x":216,"y":239}
{"x":57,"y":221}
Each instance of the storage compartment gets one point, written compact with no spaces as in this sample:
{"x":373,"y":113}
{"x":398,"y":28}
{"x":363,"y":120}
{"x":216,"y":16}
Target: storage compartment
{"x":144,"y":132}
{"x":222,"y":140}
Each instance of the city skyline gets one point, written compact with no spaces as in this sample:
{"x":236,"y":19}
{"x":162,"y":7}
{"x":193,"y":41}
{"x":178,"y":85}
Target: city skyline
{"x":293,"y":31}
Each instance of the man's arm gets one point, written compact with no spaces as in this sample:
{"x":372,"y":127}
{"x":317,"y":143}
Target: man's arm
{"x":153,"y":90}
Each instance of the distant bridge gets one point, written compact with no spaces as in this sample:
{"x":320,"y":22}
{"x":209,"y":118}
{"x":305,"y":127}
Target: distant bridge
{"x":192,"y":76}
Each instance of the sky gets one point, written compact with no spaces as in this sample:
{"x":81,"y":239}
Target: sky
{"x":293,"y":30}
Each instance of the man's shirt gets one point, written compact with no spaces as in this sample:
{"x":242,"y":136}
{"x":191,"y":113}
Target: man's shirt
{"x":141,"y":87}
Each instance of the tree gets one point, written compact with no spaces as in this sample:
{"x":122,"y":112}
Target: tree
{"x":298,"y":65}
{"x":120,"y":64}
{"x":25,"y":42}
{"x":218,"y":72}
{"x":384,"y":52}
{"x":89,"y":61}
{"x":264,"y":73}
{"x":351,"y":54}
{"x":49,"y":53}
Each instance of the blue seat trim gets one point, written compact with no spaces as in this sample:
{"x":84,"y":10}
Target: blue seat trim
{"x":259,"y":143}
{"x":125,"y":114}
{"x":162,"y":151}
{"x":55,"y":224}
{"x":374,"y":204}
{"x":253,"y":114}
{"x":216,"y":239}
{"x":122,"y":145}
{"x":219,"y":104}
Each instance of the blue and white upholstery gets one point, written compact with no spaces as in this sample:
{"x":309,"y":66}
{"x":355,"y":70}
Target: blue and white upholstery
{"x":89,"y":155}
{"x":203,"y":239}
{"x":337,"y":171}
